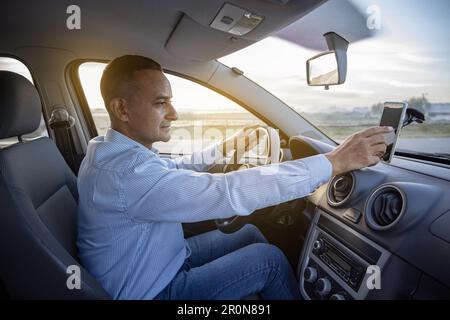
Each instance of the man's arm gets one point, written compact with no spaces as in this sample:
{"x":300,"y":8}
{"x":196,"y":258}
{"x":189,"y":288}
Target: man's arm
{"x":200,"y":161}
{"x":204,"y":160}
{"x":157,"y":193}
{"x":154,"y":192}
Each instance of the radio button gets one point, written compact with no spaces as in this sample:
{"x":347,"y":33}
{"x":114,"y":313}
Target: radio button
{"x":323,"y":286}
{"x":310,"y":274}
{"x":318,"y":245}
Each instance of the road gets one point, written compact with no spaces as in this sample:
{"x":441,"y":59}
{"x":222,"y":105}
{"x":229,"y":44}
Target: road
{"x":429,"y":145}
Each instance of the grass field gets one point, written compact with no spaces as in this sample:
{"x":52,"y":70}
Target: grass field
{"x":194,"y":131}
{"x":205,"y":128}
{"x":337,"y":126}
{"x":411,"y":131}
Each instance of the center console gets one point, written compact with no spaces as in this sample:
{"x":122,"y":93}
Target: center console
{"x":335,"y":259}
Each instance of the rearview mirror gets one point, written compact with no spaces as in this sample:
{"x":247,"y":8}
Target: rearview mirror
{"x":322,"y":70}
{"x":329,"y":68}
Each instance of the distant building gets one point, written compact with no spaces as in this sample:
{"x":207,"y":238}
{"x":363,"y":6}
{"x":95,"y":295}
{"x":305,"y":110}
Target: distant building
{"x":439,"y":112}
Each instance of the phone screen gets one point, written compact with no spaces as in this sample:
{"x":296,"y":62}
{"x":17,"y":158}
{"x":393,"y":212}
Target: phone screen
{"x":392,"y":117}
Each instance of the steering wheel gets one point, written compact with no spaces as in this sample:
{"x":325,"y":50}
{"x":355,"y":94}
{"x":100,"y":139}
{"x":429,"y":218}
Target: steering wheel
{"x":271,"y":139}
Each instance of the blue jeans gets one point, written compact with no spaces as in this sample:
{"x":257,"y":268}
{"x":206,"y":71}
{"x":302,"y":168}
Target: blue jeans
{"x":233,"y":266}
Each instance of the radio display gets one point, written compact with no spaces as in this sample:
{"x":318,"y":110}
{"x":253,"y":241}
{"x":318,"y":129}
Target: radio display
{"x":339,"y":261}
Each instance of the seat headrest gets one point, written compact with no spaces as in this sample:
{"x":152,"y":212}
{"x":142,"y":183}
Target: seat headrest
{"x":20,"y":105}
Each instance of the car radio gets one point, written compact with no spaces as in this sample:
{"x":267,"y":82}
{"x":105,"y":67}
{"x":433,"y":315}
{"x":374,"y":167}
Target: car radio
{"x":347,"y":268}
{"x":334,"y":262}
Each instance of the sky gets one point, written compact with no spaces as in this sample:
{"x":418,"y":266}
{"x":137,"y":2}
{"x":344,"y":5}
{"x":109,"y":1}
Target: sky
{"x":409,"y":57}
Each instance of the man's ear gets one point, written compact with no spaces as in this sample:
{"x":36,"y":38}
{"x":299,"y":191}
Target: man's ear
{"x":119,"y":108}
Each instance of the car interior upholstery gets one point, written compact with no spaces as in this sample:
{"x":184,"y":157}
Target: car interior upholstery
{"x":39,"y":203}
{"x":393,"y":216}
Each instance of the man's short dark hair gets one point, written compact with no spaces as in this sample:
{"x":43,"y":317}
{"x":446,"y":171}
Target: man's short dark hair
{"x":120,"y":72}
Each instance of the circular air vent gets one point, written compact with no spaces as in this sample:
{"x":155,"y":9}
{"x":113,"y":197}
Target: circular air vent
{"x":385,"y":207}
{"x":339,"y":189}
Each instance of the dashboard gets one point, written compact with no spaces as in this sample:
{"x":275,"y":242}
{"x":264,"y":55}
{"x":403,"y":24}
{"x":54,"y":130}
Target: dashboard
{"x":382,"y":232}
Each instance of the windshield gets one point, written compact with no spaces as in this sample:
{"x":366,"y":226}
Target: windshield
{"x":409,"y":59}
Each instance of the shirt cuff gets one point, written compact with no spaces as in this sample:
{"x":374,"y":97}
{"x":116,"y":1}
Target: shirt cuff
{"x":320,"y":169}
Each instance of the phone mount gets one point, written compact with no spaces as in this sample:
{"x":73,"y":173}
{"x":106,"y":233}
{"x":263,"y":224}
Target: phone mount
{"x":413,"y":115}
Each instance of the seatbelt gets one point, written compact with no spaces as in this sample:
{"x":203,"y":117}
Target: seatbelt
{"x":61,"y":123}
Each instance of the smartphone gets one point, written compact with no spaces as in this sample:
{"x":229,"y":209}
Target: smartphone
{"x":393,"y":114}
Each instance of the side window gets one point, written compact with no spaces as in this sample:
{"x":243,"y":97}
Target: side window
{"x":204,"y":116}
{"x":14,"y":65}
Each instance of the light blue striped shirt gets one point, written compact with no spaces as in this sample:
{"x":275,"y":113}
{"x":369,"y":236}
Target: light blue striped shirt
{"x":132,"y":204}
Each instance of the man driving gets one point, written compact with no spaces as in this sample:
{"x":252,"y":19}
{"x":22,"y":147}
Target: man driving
{"x":132,"y":203}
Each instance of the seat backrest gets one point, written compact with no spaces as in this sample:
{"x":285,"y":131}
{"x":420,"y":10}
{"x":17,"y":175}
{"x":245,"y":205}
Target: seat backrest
{"x":38,"y":206}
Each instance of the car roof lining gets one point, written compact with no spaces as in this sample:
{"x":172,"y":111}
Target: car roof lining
{"x":167,"y":30}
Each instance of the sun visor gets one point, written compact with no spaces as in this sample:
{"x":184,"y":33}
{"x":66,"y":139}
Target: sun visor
{"x":340,"y":16}
{"x":193,"y":41}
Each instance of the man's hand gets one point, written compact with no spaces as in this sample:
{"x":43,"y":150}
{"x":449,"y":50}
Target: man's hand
{"x":362,"y":149}
{"x":240,"y":137}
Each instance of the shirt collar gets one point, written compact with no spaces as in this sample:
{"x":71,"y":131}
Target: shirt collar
{"x":117,"y":137}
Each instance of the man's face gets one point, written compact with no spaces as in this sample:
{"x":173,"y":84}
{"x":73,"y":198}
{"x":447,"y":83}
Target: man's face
{"x":150,"y":111}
